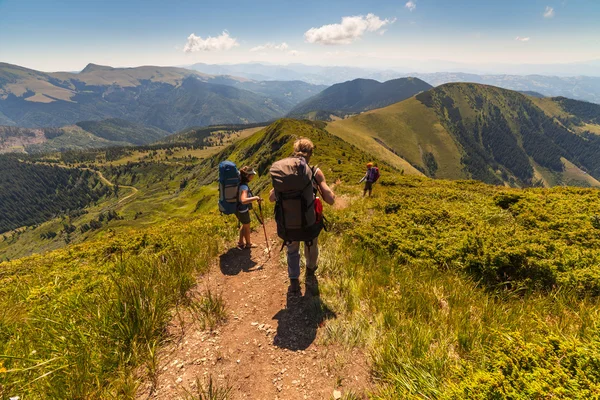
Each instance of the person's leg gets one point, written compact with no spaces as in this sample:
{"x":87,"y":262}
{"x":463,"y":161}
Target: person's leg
{"x":246,"y":228}
{"x":311,"y":253}
{"x":241,"y":231}
{"x":293,"y":259}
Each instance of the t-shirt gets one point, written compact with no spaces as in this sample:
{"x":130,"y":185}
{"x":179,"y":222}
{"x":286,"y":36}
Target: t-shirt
{"x":244,"y":207}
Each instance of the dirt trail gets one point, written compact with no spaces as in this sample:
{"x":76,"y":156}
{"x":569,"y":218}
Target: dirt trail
{"x":269,"y":347}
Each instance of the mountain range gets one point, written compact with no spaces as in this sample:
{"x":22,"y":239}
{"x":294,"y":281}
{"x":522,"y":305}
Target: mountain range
{"x":577,"y":81}
{"x":168,"y":98}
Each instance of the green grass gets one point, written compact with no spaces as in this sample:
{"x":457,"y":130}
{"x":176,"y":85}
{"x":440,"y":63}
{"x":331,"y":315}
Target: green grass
{"x":440,"y":327}
{"x":77,"y":323}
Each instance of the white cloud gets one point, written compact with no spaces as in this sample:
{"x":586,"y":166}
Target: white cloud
{"x":411,"y":5}
{"x":222,"y":42}
{"x":350,"y":29}
{"x":549,"y":13}
{"x":270,"y":46}
{"x":522,"y":39}
{"x":294,"y":53}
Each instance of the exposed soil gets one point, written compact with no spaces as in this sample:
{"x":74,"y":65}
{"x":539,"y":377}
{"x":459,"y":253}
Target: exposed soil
{"x":270,"y":347}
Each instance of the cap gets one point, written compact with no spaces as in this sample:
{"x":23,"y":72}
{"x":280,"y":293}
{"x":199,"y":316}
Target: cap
{"x":369,"y":165}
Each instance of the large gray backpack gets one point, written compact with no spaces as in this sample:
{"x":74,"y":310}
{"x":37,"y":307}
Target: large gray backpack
{"x":293,"y":181}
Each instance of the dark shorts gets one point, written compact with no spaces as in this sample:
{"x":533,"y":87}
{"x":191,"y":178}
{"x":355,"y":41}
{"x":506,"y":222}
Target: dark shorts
{"x":368,"y":185}
{"x":244,"y":217}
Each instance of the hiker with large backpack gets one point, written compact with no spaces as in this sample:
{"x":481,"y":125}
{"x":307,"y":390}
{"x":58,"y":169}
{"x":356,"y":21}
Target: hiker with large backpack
{"x":298,"y":209}
{"x":370,"y":178}
{"x":244,"y":206}
{"x":236,"y":198}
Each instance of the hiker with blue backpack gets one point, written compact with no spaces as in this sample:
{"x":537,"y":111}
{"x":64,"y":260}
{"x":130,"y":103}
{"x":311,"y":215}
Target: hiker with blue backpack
{"x":244,"y":206}
{"x":370,"y":178}
{"x":298,"y":208}
{"x":235,"y":197}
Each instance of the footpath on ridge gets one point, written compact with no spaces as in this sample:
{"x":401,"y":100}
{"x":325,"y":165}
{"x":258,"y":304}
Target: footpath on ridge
{"x":269,"y":346}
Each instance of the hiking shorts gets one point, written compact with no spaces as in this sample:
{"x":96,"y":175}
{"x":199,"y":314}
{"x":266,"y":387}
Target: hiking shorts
{"x":243,"y":217}
{"x":368,"y":185}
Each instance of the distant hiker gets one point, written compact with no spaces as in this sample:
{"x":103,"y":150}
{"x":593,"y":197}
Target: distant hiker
{"x":298,"y":209}
{"x":244,"y":206}
{"x":370,"y":178}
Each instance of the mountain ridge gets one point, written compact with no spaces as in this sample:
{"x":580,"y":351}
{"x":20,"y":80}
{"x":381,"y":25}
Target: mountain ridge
{"x":359,"y":95}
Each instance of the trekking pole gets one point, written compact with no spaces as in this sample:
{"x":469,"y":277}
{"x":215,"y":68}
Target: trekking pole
{"x":262,"y":220}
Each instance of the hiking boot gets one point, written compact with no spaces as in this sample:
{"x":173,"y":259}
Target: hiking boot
{"x":294,"y":286}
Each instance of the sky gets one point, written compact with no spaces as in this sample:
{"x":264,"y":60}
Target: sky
{"x":66,"y":35}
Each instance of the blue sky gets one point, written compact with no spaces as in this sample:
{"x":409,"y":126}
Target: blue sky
{"x":66,"y":34}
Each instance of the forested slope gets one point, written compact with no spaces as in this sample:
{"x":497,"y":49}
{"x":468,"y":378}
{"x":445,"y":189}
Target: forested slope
{"x":33,"y":193}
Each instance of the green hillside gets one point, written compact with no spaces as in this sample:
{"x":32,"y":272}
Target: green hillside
{"x":359,"y":95}
{"x":341,"y":160}
{"x":452,"y":289}
{"x":482,"y":132}
{"x":118,"y":130}
{"x":83,"y":135}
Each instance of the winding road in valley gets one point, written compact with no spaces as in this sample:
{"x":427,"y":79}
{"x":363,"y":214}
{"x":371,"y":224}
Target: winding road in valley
{"x":133,"y":189}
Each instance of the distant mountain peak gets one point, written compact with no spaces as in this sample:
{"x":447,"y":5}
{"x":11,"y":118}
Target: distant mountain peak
{"x":91,"y":67}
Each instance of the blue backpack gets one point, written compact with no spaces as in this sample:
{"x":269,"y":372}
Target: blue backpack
{"x":229,"y":183}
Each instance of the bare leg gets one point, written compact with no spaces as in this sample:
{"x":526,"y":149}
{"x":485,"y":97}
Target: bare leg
{"x":241,"y":238}
{"x":246,"y":228}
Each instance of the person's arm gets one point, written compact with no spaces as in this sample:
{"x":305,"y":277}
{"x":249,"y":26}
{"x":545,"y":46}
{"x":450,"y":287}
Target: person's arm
{"x":244,"y":199}
{"x":272,"y":197}
{"x":363,"y":178}
{"x":324,"y":189}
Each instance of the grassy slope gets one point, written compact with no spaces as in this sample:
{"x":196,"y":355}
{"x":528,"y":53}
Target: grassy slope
{"x":478,"y":131}
{"x":409,"y":128}
{"x":455,"y":289}
{"x":118,"y":130}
